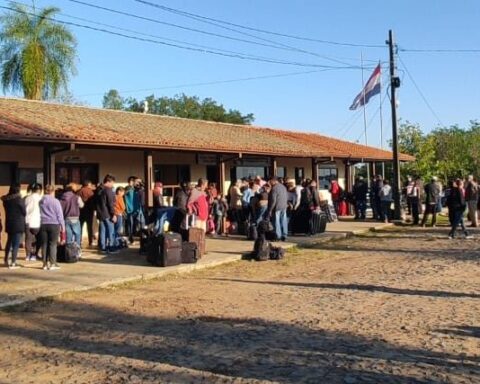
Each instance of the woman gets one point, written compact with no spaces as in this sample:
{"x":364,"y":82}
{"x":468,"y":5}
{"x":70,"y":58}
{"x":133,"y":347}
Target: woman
{"x":52,"y":224}
{"x":32,"y":206}
{"x":456,"y":203}
{"x":413,"y":195}
{"x":15,"y":213}
{"x":386,"y":200}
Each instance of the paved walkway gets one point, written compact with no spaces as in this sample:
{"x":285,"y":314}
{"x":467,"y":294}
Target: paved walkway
{"x":96,"y":271}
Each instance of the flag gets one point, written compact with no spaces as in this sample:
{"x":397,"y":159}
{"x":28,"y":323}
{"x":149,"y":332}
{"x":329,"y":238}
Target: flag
{"x":370,"y":89}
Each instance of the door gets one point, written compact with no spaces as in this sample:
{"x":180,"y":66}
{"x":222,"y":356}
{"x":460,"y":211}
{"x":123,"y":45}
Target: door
{"x":8,"y":176}
{"x":75,"y":173}
{"x":212,"y":174}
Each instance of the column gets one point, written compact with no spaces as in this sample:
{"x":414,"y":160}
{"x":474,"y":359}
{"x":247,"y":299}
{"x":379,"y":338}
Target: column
{"x":48,"y":166}
{"x":221,"y":176}
{"x":314,"y":170}
{"x":148,"y":176}
{"x":273,"y":167}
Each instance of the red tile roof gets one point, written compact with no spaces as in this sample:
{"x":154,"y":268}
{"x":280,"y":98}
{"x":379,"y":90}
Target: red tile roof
{"x":34,"y":121}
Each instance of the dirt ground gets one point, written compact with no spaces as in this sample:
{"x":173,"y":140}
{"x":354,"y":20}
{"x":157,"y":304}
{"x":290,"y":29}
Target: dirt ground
{"x":394,"y":307}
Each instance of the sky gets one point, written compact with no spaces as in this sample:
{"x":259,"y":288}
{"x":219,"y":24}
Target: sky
{"x":438,"y":88}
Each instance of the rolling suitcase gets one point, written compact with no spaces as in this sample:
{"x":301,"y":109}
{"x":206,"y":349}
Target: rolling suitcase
{"x":190,"y":252}
{"x":300,"y":222}
{"x":318,"y":222}
{"x":196,"y":235}
{"x":68,"y":253}
{"x":165,"y":250}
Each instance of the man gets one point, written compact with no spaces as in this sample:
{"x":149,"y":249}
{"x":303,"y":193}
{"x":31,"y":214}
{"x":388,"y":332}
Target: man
{"x":106,"y":215}
{"x":277,"y":208}
{"x":87,"y":211}
{"x":471,"y":198}
{"x":375,"y":198}
{"x":132,"y":207}
{"x":432,"y":197}
{"x":71,"y":204}
{"x":360,"y":190}
{"x":198,"y":204}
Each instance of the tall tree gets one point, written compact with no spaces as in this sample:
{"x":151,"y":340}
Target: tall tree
{"x":113,"y":100}
{"x":37,"y":54}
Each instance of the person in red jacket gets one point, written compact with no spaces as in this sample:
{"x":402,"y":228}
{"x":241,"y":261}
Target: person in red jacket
{"x":198,"y":204}
{"x":336,"y":192}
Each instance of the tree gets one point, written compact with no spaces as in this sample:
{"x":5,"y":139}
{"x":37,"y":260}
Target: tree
{"x":37,"y":54}
{"x":189,"y":107}
{"x":113,"y":100}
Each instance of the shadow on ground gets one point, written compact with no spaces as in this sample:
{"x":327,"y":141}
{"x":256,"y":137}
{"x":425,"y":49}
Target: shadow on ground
{"x":238,"y":347}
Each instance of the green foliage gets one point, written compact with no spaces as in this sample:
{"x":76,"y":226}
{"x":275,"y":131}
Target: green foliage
{"x":445,"y":152}
{"x":190,"y":107}
{"x":37,"y":54}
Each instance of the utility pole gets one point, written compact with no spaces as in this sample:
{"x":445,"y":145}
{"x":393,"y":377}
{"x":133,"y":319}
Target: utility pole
{"x":394,"y":84}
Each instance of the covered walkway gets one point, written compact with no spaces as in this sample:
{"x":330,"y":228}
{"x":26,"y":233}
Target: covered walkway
{"x":97,"y":271}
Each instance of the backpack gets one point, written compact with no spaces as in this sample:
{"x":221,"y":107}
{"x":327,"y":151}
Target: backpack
{"x":261,"y":249}
{"x":277,"y":253}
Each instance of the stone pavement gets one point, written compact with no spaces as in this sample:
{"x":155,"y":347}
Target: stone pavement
{"x":98,"y":271}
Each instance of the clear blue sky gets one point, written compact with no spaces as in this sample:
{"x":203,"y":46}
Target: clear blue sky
{"x":316,"y":102}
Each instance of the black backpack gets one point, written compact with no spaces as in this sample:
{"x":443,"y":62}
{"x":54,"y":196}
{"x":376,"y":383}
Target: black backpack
{"x":277,"y":253}
{"x":261,"y":249}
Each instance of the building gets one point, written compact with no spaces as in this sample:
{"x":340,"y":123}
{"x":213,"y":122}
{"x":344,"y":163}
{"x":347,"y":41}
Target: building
{"x":53,"y":143}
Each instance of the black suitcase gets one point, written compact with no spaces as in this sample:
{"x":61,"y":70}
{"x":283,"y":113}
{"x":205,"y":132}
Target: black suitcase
{"x":190,"y":252}
{"x":165,"y":250}
{"x":300,"y":221}
{"x":68,"y":253}
{"x":252,"y":232}
{"x":318,"y":222}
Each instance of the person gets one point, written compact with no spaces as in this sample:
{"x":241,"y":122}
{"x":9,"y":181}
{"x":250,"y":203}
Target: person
{"x":132,"y":207}
{"x":277,"y":208}
{"x":408,"y":194}
{"x":163,"y":213}
{"x":219,"y":210}
{"x":52,"y":225}
{"x":360,"y":190}
{"x":375,"y":199}
{"x":262,"y":203}
{"x":458,"y":205}
{"x":15,"y":213}
{"x":291,"y":197}
{"x":235,"y":204}
{"x":471,"y":198}
{"x":336,"y":192}
{"x":432,"y":196}
{"x":448,"y":200}
{"x":32,"y":220}
{"x":385,"y":195}
{"x":87,"y":212}
{"x":119,"y":209}
{"x":246,"y":196}
{"x":413,"y":194}
{"x":71,"y":204}
{"x":180,"y":203}
{"x":198,"y":204}
{"x":212,"y":193}
{"x":106,"y":215}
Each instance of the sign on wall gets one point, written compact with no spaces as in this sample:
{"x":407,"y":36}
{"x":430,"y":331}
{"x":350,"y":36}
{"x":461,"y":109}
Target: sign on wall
{"x":207,"y":159}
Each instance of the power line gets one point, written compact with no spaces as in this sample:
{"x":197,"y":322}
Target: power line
{"x":296,"y":37}
{"x":214,"y":82}
{"x":128,"y":14}
{"x":217,"y":24}
{"x":439,"y":50}
{"x":236,"y":55}
{"x":419,"y":91}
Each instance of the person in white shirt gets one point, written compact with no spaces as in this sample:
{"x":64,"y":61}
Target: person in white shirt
{"x":32,"y":221}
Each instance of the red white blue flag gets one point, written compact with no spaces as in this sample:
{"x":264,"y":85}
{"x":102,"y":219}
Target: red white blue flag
{"x":371,"y":88}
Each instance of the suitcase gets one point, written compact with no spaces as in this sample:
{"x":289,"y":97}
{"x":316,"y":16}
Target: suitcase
{"x":190,"y":252}
{"x":300,"y":221}
{"x":68,"y":253}
{"x":252,"y":232}
{"x":318,"y":222}
{"x":342,"y":208}
{"x":331,"y":214}
{"x":165,"y":250}
{"x":277,"y":253}
{"x":196,"y":235}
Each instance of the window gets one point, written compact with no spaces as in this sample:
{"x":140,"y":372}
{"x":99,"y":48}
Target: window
{"x":30,"y":175}
{"x":75,"y":173}
{"x":299,"y":173}
{"x":282,"y":172}
{"x":248,"y":172}
{"x":7,"y":173}
{"x":326,"y":175}
{"x":171,"y":174}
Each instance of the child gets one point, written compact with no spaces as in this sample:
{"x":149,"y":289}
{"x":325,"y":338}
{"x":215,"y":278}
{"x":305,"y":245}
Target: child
{"x":219,"y":210}
{"x":119,"y":209}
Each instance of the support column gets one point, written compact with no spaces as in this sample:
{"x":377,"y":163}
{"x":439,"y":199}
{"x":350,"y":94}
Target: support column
{"x":48,"y":166}
{"x":315,"y":170}
{"x":273,"y":167}
{"x":221,"y":176}
{"x":348,"y":184}
{"x":148,"y":175}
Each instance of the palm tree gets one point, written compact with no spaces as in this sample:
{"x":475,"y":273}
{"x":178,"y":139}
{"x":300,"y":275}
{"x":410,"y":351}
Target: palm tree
{"x":37,"y":54}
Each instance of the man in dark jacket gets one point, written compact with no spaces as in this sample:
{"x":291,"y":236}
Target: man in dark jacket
{"x":360,"y":190}
{"x":277,"y":208}
{"x":432,"y":197}
{"x":87,"y":195}
{"x":71,"y":205}
{"x":15,"y":213}
{"x":106,"y":215}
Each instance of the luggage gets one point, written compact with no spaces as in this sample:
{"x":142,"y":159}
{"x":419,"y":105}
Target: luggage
{"x":196,"y":235}
{"x":261,"y":249}
{"x":318,"y":222}
{"x":165,"y":250}
{"x":300,"y":221}
{"x":330,"y":212}
{"x":252,"y":232}
{"x":68,"y":253}
{"x":145,"y":240}
{"x":342,"y":208}
{"x":277,"y":253}
{"x":190,"y":252}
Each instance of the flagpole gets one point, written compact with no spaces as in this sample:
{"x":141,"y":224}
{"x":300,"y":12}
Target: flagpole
{"x":365,"y":117}
{"x":381,"y":123}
